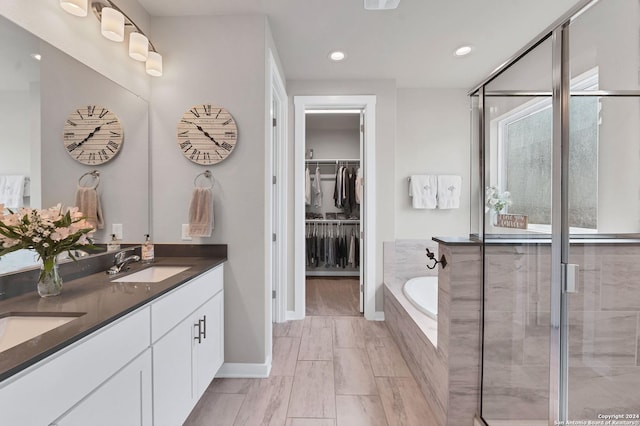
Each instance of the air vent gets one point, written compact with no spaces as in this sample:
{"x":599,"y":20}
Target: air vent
{"x":381,"y":4}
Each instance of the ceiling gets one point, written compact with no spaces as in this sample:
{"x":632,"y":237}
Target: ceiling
{"x":413,"y":44}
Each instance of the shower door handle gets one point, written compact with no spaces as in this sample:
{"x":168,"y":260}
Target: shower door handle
{"x":570,"y":277}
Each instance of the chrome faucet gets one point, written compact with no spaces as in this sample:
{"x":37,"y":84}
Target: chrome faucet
{"x":121,"y":262}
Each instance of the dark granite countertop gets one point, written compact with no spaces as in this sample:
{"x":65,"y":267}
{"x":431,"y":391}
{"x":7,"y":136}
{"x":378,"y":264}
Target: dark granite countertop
{"x":98,"y":300}
{"x":456,"y":241}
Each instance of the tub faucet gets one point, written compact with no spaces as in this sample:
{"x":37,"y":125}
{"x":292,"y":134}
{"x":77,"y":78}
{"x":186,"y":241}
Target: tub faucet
{"x":121,"y":262}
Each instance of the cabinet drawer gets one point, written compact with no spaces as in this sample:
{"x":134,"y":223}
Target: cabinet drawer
{"x":181,"y":302}
{"x":60,"y":381}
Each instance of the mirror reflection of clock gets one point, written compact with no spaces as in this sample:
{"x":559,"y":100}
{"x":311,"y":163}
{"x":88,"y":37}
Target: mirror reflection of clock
{"x":92,"y":135}
{"x":206,"y":134}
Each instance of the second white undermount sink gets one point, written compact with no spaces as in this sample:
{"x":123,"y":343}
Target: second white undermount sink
{"x":153,"y":274}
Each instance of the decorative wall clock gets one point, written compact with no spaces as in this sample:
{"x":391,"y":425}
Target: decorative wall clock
{"x":92,"y":135}
{"x":207,"y":134}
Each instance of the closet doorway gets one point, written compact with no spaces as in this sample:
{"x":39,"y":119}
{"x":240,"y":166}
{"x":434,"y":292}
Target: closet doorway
{"x":334,"y":146}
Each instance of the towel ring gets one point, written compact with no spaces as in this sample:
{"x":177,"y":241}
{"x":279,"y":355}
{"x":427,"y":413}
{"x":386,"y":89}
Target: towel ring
{"x":93,"y":173}
{"x":207,"y":175}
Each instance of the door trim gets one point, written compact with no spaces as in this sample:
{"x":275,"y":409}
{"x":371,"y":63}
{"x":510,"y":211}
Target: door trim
{"x":367,"y":103}
{"x":278,"y":257}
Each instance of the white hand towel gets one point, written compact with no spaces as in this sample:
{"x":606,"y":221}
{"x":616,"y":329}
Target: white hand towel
{"x":88,"y":203}
{"x":423,"y":190}
{"x":201,"y":212}
{"x":449,"y":188}
{"x":11,"y":191}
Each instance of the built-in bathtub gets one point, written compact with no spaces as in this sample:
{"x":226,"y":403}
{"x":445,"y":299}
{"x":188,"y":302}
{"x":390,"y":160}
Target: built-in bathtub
{"x":422,"y":292}
{"x":442,"y":349}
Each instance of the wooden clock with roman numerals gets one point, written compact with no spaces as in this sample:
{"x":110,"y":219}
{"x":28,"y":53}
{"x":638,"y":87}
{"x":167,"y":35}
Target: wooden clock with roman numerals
{"x":92,"y":135}
{"x":207,"y":134}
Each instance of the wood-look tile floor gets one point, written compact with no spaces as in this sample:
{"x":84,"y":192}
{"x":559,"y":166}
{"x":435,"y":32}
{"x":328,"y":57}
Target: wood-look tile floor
{"x":327,"y":371}
{"x":332,"y":296}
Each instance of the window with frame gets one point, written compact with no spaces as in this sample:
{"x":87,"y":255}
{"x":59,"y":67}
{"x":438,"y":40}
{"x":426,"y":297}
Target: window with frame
{"x":524,"y":158}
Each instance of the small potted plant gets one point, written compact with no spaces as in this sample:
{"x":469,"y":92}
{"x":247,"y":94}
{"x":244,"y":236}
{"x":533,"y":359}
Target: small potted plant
{"x":496,"y":202}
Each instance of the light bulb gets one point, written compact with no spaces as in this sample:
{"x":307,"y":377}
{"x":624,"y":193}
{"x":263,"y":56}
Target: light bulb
{"x":75,"y":7}
{"x":138,"y":46}
{"x":112,"y":24}
{"x":154,"y":64}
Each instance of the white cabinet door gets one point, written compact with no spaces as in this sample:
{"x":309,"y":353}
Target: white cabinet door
{"x":172,"y":375}
{"x":124,"y":399}
{"x":209,"y":350}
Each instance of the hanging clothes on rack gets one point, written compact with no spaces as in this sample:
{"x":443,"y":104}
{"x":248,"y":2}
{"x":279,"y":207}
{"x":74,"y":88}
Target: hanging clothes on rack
{"x":307,"y":187}
{"x":358,"y":184}
{"x":338,"y":190}
{"x":317,"y":188}
{"x":352,"y":248}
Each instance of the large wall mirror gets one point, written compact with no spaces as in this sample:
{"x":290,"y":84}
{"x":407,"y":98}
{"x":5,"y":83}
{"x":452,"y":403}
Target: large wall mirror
{"x":40,"y":86}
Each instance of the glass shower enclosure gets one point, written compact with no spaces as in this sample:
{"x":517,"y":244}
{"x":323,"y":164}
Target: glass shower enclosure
{"x":556,"y":139}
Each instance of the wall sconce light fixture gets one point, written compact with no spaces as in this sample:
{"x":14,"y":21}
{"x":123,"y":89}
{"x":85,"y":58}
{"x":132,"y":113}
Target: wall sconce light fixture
{"x":113,"y":22}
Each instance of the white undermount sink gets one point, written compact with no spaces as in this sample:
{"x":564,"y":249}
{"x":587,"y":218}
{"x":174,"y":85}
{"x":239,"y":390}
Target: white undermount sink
{"x":18,"y":328}
{"x":153,"y":274}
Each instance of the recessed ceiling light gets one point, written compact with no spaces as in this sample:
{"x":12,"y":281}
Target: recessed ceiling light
{"x":36,"y":56}
{"x":463,"y":50}
{"x":337,"y":55}
{"x":381,"y":4}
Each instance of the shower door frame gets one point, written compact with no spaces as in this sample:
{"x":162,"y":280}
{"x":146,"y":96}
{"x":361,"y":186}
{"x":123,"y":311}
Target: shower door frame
{"x":560,"y":238}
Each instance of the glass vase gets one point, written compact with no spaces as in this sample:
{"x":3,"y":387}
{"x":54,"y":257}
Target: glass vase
{"x":49,"y":280}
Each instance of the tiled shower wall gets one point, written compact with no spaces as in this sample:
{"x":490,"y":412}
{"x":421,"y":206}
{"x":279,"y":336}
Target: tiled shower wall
{"x":604,"y":325}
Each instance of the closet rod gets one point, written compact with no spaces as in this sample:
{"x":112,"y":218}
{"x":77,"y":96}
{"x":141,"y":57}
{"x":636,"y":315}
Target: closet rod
{"x":334,"y":160}
{"x":348,"y":221}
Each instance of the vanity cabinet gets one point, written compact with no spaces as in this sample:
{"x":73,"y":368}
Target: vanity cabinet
{"x":48,"y":391}
{"x":188,"y":355}
{"x":146,"y":368}
{"x":124,"y":399}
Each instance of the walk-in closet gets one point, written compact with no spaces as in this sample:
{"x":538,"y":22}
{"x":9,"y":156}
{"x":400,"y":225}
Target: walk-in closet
{"x":333,"y":198}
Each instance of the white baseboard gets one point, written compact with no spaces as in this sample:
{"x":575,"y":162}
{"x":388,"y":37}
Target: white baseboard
{"x":294,"y":316}
{"x":378,"y":316}
{"x":244,"y":370}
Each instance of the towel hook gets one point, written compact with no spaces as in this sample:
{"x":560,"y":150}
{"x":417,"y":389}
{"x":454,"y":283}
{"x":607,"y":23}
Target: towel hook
{"x":207,"y":174}
{"x":431,"y":256}
{"x":93,"y":173}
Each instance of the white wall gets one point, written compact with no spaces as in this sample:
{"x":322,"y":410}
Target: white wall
{"x":229,"y":72}
{"x":432,"y":138}
{"x":385,"y":92}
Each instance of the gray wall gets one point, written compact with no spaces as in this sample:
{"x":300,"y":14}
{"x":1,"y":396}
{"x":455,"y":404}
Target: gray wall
{"x":229,"y":72}
{"x":67,"y":84}
{"x":81,"y":38}
{"x":15,"y":131}
{"x":432,"y":138}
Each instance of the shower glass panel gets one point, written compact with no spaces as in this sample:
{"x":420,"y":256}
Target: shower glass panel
{"x":518,"y":130}
{"x":604,"y":309}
